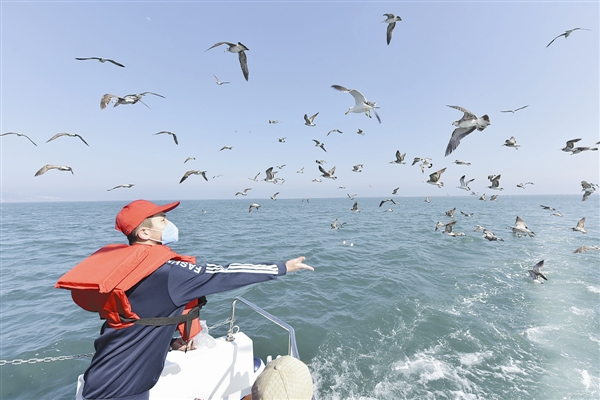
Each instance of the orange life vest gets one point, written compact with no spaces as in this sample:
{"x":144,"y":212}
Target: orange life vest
{"x":98,"y":283}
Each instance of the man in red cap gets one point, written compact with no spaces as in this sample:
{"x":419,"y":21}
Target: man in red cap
{"x":144,"y":290}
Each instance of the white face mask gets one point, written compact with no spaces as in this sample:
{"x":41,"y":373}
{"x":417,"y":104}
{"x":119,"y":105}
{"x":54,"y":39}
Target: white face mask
{"x":170,"y":234}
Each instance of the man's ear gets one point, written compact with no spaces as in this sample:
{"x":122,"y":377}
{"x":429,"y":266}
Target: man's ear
{"x":143,"y":234}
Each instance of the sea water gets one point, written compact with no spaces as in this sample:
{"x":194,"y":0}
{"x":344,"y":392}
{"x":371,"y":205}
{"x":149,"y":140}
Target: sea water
{"x":393,"y":310}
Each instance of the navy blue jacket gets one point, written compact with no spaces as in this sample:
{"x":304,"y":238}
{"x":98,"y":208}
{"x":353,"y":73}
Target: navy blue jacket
{"x":128,"y":362}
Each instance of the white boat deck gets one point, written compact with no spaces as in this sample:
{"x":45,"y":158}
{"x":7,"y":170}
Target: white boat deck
{"x":225,"y":371}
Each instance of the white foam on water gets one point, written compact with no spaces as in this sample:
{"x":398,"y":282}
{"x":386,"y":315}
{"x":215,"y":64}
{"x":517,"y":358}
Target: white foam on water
{"x":586,"y":379}
{"x":470,"y":359}
{"x":593,"y":289}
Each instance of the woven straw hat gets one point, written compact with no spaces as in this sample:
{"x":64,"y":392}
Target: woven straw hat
{"x":283,"y":378}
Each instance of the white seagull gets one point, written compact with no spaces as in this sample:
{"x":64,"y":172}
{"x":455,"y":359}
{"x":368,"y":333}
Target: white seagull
{"x":583,"y":249}
{"x":458,"y":162}
{"x":188,"y":159}
{"x":253,"y":206}
{"x":48,"y":167}
{"x":270,"y":175}
{"x":520,"y":228}
{"x":512,"y":142}
{"x":274,"y":197}
{"x":465,"y":184}
{"x":399,"y":158}
{"x":434,"y":179}
{"x":327,"y":174}
{"x":319,"y":144}
{"x":128,"y":99}
{"x":310,"y":121}
{"x":580,"y":226}
{"x":193,"y":172}
{"x":19,"y":134}
{"x":495,"y":179}
{"x":515,"y":110}
{"x":391,"y":21}
{"x":67,"y":134}
{"x":244,"y":192}
{"x":219,"y":82}
{"x":467,"y":124}
{"x":570,"y":145}
{"x":236,"y":48}
{"x":535,"y":273}
{"x":125,"y":185}
{"x":362,"y":105}
{"x":448,"y":229}
{"x":522,"y":185}
{"x":168,"y":133}
{"x":102,"y":60}
{"x":334,"y":130}
{"x":566,"y":34}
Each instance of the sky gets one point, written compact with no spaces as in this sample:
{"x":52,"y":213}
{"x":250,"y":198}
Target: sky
{"x":484,"y":56}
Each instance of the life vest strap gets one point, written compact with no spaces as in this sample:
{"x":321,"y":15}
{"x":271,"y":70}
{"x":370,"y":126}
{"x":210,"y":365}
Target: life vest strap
{"x":176,"y":320}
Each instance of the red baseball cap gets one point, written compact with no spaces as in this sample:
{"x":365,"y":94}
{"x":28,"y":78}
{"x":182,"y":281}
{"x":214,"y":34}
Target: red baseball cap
{"x":136,"y":212}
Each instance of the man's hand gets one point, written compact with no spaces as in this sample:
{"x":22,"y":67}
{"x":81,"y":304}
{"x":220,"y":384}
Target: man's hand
{"x":297,"y":264}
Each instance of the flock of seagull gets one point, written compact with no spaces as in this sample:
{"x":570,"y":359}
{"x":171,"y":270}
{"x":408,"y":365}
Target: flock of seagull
{"x":468,"y":123}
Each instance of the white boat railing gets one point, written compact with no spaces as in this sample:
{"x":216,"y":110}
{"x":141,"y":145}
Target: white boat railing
{"x":292,"y":348}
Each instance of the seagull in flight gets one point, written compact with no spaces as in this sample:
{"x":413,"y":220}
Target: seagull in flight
{"x":467,"y":124}
{"x":357,"y":168}
{"x":219,"y":82}
{"x":226,"y":148}
{"x":188,"y":159}
{"x":583,"y":249}
{"x":236,"y":48}
{"x":355,"y":207}
{"x":194,"y":172}
{"x":270,"y":175}
{"x":491,"y":236}
{"x":128,"y":99}
{"x":566,"y":34}
{"x":386,"y":200}
{"x":512,"y":142}
{"x":458,"y":162}
{"x":310,"y":121}
{"x":66,"y":134}
{"x":522,"y":185}
{"x":391,"y":21}
{"x":168,"y":133}
{"x":319,"y":144}
{"x":570,"y":145}
{"x":327,"y":174}
{"x":434,"y":179}
{"x":399,"y":158}
{"x":19,"y":134}
{"x":125,"y":185}
{"x":395,"y":191}
{"x":282,"y":139}
{"x":495,"y":179}
{"x":48,"y":167}
{"x":244,"y":192}
{"x":273,"y":121}
{"x":300,"y":171}
{"x":448,"y":229}
{"x":334,"y":130}
{"x":579,"y":149}
{"x":535,"y":273}
{"x":520,"y":228}
{"x":102,"y":60}
{"x":465,"y":184}
{"x":362,"y":105}
{"x":515,"y":110}
{"x":580,"y":226}
{"x":274,"y":197}
{"x":253,"y":206}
